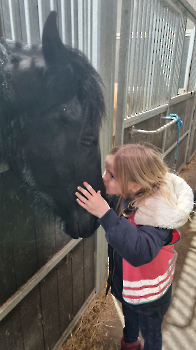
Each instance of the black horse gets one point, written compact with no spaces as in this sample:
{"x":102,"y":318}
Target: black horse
{"x":50,"y":114}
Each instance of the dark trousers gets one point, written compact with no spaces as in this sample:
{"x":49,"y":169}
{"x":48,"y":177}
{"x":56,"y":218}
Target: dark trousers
{"x":146,"y":319}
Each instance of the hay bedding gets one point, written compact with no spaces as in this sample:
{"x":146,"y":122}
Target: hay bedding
{"x":89,"y":332}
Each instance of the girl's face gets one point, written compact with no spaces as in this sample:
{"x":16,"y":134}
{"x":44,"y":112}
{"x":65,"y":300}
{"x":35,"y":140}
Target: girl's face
{"x":111,"y":185}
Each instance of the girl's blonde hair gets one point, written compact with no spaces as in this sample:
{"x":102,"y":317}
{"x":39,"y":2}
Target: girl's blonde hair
{"x":142,"y":165}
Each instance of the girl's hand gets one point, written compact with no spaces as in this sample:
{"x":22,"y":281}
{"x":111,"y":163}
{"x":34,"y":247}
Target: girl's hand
{"x":93,"y":202}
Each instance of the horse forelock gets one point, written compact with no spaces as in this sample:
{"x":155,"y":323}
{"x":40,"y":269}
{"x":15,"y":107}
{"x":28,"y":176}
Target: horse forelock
{"x":89,"y":90}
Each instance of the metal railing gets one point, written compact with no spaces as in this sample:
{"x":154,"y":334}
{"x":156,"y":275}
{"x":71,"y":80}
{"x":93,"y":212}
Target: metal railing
{"x":157,"y":131}
{"x":151,"y":45}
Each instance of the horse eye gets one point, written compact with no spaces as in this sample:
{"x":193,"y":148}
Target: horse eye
{"x":89,"y":141}
{"x":86,"y":142}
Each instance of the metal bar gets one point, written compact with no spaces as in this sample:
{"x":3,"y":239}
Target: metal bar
{"x":179,"y":55}
{"x":140,"y":45}
{"x":157,"y":131}
{"x":80,"y":25}
{"x":37,"y":278}
{"x":89,"y":31}
{"x":163,"y":57}
{"x":169,"y":44}
{"x":183,"y":30}
{"x":159,"y":82}
{"x":85,"y":25}
{"x":52,"y":5}
{"x":157,"y":58}
{"x":148,"y":54}
{"x":133,"y":58}
{"x":137,"y":58}
{"x":126,"y":24}
{"x":63,"y":21}
{"x":166,"y":62}
{"x":173,"y":58}
{"x":40,"y":15}
{"x":74,"y":23}
{"x":142,"y":68}
{"x":145,"y":30}
{"x":193,"y":69}
{"x":189,"y":58}
{"x":151,"y":97}
{"x":27,"y":21}
{"x":163,"y":79}
{"x":129,"y":60}
{"x":11,"y":20}
{"x":172,"y":49}
{"x":95,"y":34}
{"x":151,"y":67}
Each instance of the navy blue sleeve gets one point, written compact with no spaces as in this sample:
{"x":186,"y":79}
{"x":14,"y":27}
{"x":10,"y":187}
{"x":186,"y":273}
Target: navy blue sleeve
{"x":138,"y":246}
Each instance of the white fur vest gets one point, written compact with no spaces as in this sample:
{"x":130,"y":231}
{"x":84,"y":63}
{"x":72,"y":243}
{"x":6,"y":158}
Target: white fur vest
{"x":157,"y":212}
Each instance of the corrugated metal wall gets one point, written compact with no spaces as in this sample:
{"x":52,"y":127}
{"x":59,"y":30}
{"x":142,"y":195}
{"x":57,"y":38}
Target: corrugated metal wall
{"x":151,"y":46}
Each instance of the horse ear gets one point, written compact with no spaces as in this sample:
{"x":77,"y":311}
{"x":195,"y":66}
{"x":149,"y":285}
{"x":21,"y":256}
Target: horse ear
{"x":51,"y":41}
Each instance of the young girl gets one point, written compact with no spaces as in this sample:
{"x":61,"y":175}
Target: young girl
{"x":149,"y":203}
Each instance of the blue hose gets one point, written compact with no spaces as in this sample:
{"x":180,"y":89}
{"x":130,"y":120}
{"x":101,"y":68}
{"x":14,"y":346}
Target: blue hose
{"x":179,"y":124}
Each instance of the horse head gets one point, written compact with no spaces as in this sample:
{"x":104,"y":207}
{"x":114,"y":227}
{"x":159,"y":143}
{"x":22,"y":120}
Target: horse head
{"x":51,"y":116}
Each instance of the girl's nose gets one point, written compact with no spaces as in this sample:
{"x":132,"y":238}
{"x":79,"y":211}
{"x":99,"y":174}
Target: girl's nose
{"x":104,"y":176}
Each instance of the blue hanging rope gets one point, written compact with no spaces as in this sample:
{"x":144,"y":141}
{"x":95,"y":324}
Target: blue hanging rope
{"x":179,"y":124}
